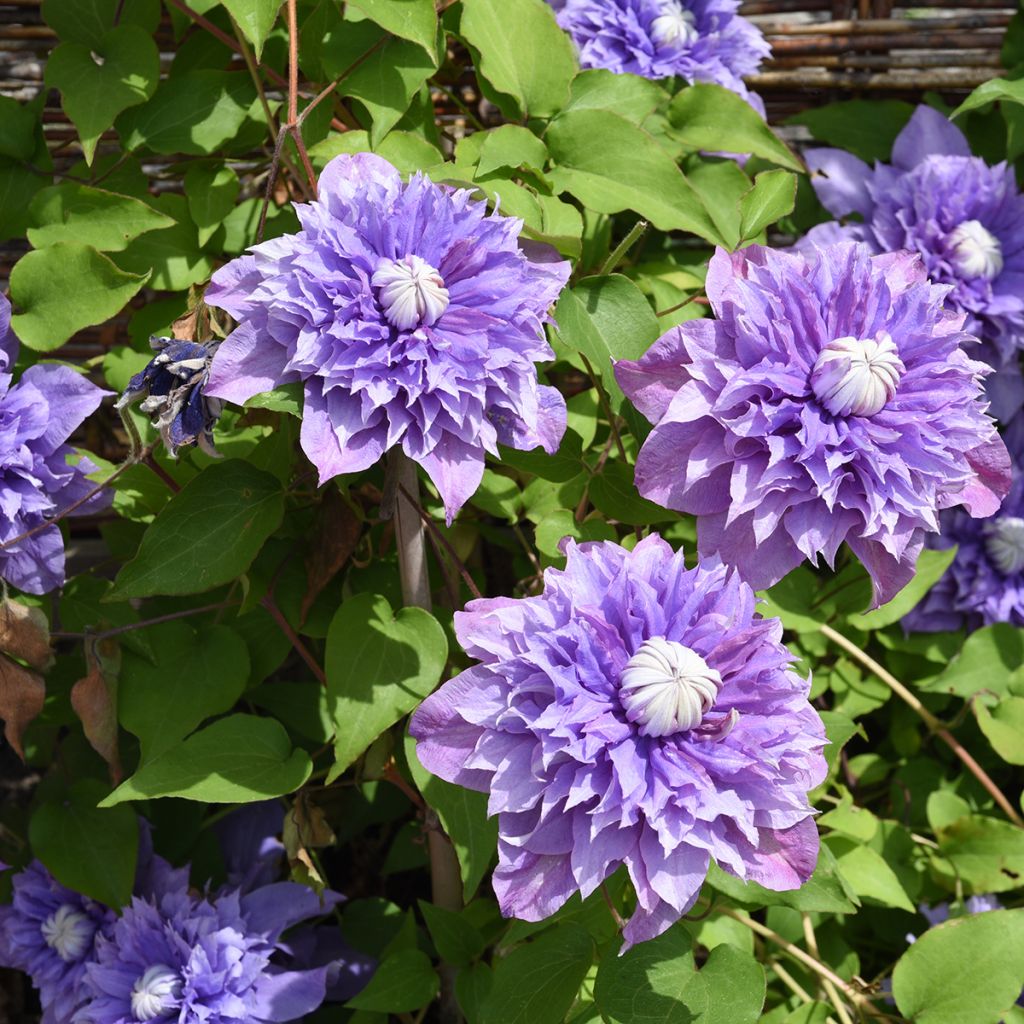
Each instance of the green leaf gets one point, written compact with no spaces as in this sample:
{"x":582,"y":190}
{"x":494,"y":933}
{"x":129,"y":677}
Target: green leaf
{"x":415,"y":20}
{"x":721,"y":185}
{"x":736,"y":987}
{"x":211,"y":190}
{"x":463,"y":813}
{"x":824,"y":892}
{"x":380,"y":665}
{"x":88,"y":849}
{"x":192,"y":675}
{"x":1004,"y":727}
{"x":562,"y":523}
{"x":1011,"y":91}
{"x":772,"y":198}
{"x":988,"y":660}
{"x":866,"y":128}
{"x":868,"y":874}
{"x":792,"y":600}
{"x":523,"y":53}
{"x":195,"y":113}
{"x":655,"y":982}
{"x":255,"y":18}
{"x":606,"y":318}
{"x":406,"y":151}
{"x":508,"y":147}
{"x":383,"y":72}
{"x":87,"y":21}
{"x":565,"y":464}
{"x":63,"y":288}
{"x":235,"y":760}
{"x":401,"y":983}
{"x":613,"y":491}
{"x":930,"y":567}
{"x":472,"y":985}
{"x":171,"y":254}
{"x":711,"y":117}
{"x":18,"y":184}
{"x":208,"y":534}
{"x":629,"y":96}
{"x":628,"y":170}
{"x":456,"y":939}
{"x":986,"y":853}
{"x":537,"y":982}
{"x":92,"y":216}
{"x":17,"y":129}
{"x":967,"y":969}
{"x":98,"y":82}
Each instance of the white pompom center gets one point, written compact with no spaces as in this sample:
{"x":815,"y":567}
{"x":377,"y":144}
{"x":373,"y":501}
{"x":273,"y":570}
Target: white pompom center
{"x":674,"y":28}
{"x":1005,"y":544}
{"x":974,"y":251}
{"x":69,"y":932}
{"x":157,"y":992}
{"x":857,"y":376}
{"x":411,"y":292}
{"x":667,"y":688}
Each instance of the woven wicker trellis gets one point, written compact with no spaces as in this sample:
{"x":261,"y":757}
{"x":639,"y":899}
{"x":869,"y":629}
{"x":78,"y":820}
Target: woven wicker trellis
{"x":826,"y":50}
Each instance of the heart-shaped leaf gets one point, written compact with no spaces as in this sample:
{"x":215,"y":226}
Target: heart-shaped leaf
{"x":379,"y":667}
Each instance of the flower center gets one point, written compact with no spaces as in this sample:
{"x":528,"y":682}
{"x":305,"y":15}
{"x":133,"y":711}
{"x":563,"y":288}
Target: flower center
{"x":412,"y":293}
{"x":974,"y":251}
{"x":1005,"y":544}
{"x":157,"y":992}
{"x":674,"y":28}
{"x":667,"y":688}
{"x":69,"y":932}
{"x":857,"y":376}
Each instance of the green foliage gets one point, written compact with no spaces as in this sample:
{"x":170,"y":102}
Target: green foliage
{"x":966,"y":969}
{"x":207,"y":535}
{"x":380,"y":665}
{"x":89,"y":849}
{"x":253,"y":643}
{"x":235,"y":760}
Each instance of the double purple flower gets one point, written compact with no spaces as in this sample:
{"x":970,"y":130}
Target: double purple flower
{"x":635,"y":713}
{"x":696,"y":40}
{"x":964,"y":218}
{"x":37,"y":416}
{"x":410,"y":317}
{"x":832,"y":399}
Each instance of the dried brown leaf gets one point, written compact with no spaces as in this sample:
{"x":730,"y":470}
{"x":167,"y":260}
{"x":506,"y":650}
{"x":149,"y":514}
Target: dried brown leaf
{"x":94,"y":700}
{"x":305,"y":828}
{"x":338,"y":529}
{"x":22,"y":695}
{"x":184,"y":328}
{"x":25,"y":634}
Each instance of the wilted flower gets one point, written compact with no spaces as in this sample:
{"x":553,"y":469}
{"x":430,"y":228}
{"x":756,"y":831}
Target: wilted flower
{"x":636,"y":712}
{"x":829,"y":401}
{"x":409,"y":315}
{"x":697,"y":40}
{"x":37,"y":416}
{"x":964,"y":218}
{"x":49,"y":932}
{"x":174,"y":383}
{"x":205,"y":960}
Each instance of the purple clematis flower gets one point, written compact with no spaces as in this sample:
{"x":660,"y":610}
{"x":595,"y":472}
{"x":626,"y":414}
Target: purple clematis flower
{"x":49,"y":932}
{"x":205,"y":960}
{"x":830,"y":401}
{"x":697,"y":40}
{"x":984,"y":584}
{"x":636,"y":712}
{"x":37,"y":416}
{"x":963,"y":217}
{"x":409,"y":315}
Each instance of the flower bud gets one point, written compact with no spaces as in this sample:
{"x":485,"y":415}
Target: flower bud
{"x":856,"y":377}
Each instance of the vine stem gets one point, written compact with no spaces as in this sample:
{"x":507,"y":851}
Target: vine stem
{"x":830,"y":990}
{"x":933,"y":723}
{"x":811,"y":962}
{"x":410,"y":536}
